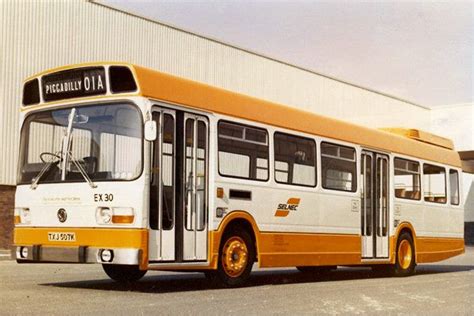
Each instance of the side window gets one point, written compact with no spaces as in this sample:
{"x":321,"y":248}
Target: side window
{"x":454,"y":186}
{"x":407,"y":179}
{"x":295,"y":160}
{"x":338,"y":165}
{"x":243,"y":151}
{"x":434,"y":183}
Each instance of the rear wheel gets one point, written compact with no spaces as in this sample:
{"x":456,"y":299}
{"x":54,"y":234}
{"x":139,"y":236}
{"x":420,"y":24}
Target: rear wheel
{"x":405,"y":256}
{"x":123,"y":273}
{"x":236,"y":258}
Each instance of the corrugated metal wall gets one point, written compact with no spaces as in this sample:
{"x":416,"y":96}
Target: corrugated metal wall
{"x":37,"y":35}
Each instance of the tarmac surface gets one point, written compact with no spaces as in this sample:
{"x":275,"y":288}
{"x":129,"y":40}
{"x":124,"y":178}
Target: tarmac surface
{"x":444,"y":288}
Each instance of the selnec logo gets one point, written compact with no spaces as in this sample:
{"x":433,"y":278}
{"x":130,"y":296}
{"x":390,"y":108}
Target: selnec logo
{"x":284,"y":209}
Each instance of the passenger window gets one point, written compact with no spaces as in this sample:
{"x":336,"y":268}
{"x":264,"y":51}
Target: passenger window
{"x":295,"y":160}
{"x":434,"y":183}
{"x":338,"y":164}
{"x":243,"y":151}
{"x":407,"y":179}
{"x":454,"y":186}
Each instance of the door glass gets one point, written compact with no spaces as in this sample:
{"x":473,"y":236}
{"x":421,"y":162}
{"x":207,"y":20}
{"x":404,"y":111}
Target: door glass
{"x":168,"y":204}
{"x":201,"y":175}
{"x":165,"y":175}
{"x":188,"y":173}
{"x":154,"y":187}
{"x":195,"y":181}
{"x":384,"y":197}
{"x":367,"y":200}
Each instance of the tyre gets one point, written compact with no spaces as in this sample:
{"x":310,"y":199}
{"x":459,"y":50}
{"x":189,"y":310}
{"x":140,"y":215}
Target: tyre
{"x":236,"y":257}
{"x":123,"y":273}
{"x":316,"y":269}
{"x":405,"y":256}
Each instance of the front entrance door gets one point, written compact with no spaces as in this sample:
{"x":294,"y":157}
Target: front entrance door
{"x":178,"y":188}
{"x":375,"y":205}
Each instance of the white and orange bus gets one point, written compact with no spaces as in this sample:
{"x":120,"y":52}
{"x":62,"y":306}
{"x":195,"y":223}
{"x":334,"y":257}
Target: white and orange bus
{"x":139,"y":170}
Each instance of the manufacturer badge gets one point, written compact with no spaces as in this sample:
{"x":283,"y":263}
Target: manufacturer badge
{"x":62,"y":215}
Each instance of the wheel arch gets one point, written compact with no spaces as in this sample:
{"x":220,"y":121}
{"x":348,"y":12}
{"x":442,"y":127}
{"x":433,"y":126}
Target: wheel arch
{"x":243,"y":219}
{"x":401,"y":228}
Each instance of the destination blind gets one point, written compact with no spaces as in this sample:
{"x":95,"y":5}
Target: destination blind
{"x":74,"y":83}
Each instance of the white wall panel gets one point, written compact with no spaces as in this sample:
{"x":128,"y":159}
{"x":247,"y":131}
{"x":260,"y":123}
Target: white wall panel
{"x":37,"y":35}
{"x":455,"y":122}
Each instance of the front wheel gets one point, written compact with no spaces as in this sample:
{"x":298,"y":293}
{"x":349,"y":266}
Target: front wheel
{"x":236,"y":258}
{"x":405,"y":257}
{"x":123,"y":273}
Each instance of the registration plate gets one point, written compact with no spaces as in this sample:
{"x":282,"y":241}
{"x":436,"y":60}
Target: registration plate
{"x":62,"y":236}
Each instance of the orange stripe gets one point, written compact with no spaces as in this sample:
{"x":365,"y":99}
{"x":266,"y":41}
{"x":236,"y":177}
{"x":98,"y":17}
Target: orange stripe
{"x":281,"y":213}
{"x":293,"y":249}
{"x":294,"y":201}
{"x":177,"y":90}
{"x":92,"y":237}
{"x":429,"y":249}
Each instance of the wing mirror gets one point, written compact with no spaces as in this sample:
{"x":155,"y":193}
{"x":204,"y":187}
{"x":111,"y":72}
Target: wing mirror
{"x":150,"y":131}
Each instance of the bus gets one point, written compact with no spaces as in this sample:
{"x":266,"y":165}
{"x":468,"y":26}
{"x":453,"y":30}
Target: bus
{"x":138,"y":170}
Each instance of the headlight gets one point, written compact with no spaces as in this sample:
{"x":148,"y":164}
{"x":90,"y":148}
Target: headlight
{"x":22,"y":215}
{"x":104,"y":215}
{"x":106,"y":255}
{"x":24,"y":252}
{"x":115,"y":215}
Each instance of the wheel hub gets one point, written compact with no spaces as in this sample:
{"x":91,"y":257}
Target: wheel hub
{"x":404,"y":254}
{"x":234,"y":256}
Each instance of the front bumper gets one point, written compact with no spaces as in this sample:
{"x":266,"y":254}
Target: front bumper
{"x":82,"y":254}
{"x":124,"y":246}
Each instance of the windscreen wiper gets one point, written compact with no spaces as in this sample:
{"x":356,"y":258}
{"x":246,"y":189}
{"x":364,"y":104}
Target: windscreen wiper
{"x":82,"y":171}
{"x":66,"y":150}
{"x":35,"y":180}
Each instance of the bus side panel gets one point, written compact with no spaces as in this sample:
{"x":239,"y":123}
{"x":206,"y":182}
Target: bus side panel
{"x":299,"y":227}
{"x":435,"y":220}
{"x":293,"y":249}
{"x":411,"y":212}
{"x":432,"y":249}
{"x":438,"y":229}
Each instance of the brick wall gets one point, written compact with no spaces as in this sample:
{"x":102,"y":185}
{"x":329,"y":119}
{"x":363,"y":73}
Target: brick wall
{"x":7,"y":200}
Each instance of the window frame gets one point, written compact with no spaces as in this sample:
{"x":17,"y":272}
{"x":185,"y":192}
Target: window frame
{"x":315,"y":160}
{"x":458,"y":187}
{"x":321,"y":155}
{"x":445,"y":184}
{"x":419,"y":177}
{"x":225,"y":121}
{"x":80,"y":105}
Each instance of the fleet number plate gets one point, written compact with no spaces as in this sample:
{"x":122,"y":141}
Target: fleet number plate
{"x":62,"y":236}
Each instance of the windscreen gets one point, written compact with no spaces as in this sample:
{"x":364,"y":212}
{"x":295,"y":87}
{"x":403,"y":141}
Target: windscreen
{"x":105,"y":140}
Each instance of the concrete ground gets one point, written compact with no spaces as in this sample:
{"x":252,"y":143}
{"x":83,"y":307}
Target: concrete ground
{"x":445,"y":288}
